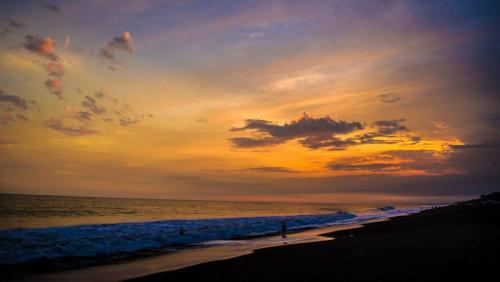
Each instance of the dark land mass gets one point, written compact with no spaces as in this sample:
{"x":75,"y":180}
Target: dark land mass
{"x":454,"y":243}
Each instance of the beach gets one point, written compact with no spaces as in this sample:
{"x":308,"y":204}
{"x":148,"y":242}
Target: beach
{"x":436,"y":242}
{"x":47,"y":238}
{"x":458,"y":242}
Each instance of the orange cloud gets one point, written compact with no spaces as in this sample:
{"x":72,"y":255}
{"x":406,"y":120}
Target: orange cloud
{"x":54,"y":86}
{"x":41,"y":46}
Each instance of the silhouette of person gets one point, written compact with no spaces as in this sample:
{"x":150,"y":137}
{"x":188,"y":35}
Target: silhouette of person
{"x":283,"y":230}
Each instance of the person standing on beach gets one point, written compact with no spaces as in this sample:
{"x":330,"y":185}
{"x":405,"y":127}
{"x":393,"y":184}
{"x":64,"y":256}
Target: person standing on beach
{"x":283,"y":230}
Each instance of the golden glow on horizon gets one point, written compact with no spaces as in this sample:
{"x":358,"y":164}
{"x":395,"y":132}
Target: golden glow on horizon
{"x":152,"y":112}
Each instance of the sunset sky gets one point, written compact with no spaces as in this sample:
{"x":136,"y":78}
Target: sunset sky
{"x":317,"y":101}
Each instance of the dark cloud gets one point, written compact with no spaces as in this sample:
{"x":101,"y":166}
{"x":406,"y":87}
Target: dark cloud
{"x":41,"y":46}
{"x":109,"y":108}
{"x":389,"y":98}
{"x":55,"y":69}
{"x":13,"y":107}
{"x":362,"y":167}
{"x":316,"y":133}
{"x":306,"y":127}
{"x":272,"y":169}
{"x":124,"y":121}
{"x":82,"y":116}
{"x":383,"y":133}
{"x":123,"y":42}
{"x":303,"y":127}
{"x":100,"y":95}
{"x":51,"y":7}
{"x":58,"y":125}
{"x":107,"y":54}
{"x":9,"y":26}
{"x":120,"y":43}
{"x":386,"y":127}
{"x":13,"y":100}
{"x":90,"y":103}
{"x":332,"y":143}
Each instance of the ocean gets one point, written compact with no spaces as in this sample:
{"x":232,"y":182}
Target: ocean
{"x":40,"y":228}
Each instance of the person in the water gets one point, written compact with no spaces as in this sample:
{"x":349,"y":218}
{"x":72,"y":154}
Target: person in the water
{"x":283,"y":230}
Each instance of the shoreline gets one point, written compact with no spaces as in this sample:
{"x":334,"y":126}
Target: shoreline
{"x":183,"y":258}
{"x":459,"y":242}
{"x":147,"y":232}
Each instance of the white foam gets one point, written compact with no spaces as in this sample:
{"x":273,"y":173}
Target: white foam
{"x":25,"y":245}
{"x":28,"y":245}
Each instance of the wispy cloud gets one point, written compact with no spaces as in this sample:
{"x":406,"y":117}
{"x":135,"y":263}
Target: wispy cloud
{"x":389,"y":98}
{"x":10,"y":26}
{"x":91,"y":104}
{"x":57,"y":124}
{"x":51,"y":7}
{"x":272,"y":169}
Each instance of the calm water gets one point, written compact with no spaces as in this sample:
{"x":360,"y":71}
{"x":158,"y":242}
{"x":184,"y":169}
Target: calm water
{"x":29,"y":211}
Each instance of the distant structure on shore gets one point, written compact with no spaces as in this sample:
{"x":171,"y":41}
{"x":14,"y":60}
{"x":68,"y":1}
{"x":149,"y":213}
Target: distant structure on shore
{"x":493,"y":198}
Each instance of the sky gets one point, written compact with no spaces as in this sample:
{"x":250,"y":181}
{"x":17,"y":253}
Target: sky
{"x":306,"y":101}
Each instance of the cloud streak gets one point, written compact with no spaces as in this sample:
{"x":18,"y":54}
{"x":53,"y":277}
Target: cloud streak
{"x":57,"y":124}
{"x":389,"y":98}
{"x":51,"y":7}
{"x":426,"y":161}
{"x":13,"y":100}
{"x":271,"y":169}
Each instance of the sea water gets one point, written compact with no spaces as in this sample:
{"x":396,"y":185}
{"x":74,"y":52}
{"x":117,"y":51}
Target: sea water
{"x":41,"y":228}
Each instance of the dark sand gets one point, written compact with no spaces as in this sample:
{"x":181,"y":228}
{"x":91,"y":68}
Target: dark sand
{"x":455,"y":243}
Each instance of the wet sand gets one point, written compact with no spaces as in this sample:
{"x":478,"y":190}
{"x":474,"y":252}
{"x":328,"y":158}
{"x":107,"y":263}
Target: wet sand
{"x":454,"y":243}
